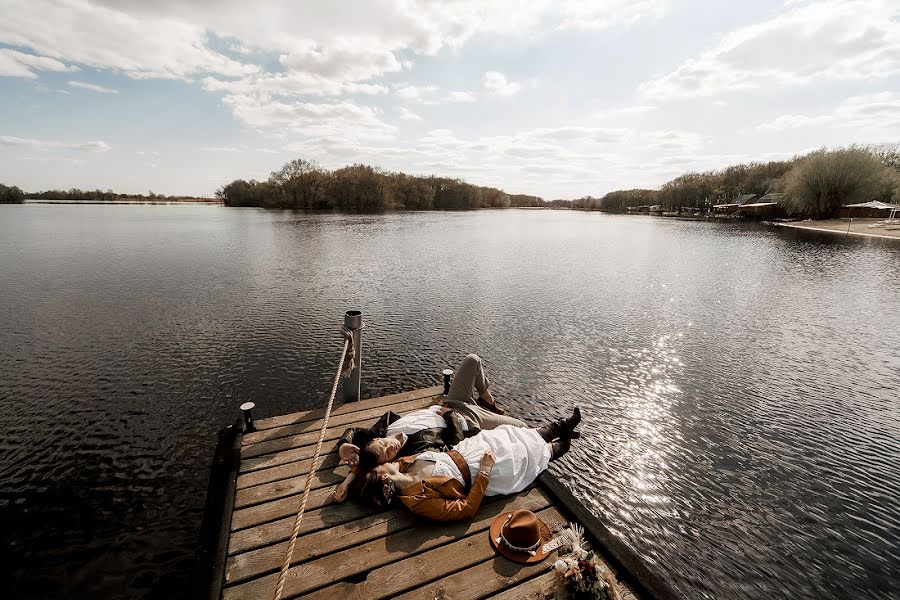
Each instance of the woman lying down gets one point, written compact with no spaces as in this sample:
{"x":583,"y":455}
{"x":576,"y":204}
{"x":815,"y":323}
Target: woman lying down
{"x":449,"y":486}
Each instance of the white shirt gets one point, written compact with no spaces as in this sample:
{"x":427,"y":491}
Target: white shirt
{"x":417,"y":420}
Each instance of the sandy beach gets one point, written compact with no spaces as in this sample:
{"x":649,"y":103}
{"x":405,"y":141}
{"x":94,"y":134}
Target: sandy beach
{"x":858,"y":227}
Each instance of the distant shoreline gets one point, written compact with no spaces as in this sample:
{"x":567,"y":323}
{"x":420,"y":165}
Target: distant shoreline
{"x":163,"y":202}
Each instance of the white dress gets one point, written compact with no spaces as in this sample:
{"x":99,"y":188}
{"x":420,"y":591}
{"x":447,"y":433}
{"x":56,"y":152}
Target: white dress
{"x":522,"y":454}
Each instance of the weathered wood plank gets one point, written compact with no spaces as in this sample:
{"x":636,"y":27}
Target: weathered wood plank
{"x":336,"y":427}
{"x":348,"y":537}
{"x":298,"y":468}
{"x":269,"y":533}
{"x":318,"y":413}
{"x":270,"y":511}
{"x":340,"y":537}
{"x":495,"y":574}
{"x":415,"y":572}
{"x":536,"y":588}
{"x":287,"y":487}
{"x":378,"y":553}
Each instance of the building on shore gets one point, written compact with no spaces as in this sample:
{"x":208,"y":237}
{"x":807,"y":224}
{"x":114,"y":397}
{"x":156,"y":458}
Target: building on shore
{"x":730,"y":207}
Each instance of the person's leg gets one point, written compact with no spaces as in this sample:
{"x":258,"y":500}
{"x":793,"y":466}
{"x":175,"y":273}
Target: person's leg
{"x":485,"y":418}
{"x":559,"y":447}
{"x":469,"y":381}
{"x":562,"y":427}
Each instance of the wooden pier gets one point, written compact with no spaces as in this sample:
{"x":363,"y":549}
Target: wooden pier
{"x":351,"y":551}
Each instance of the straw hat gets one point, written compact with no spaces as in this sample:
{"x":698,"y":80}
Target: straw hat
{"x":520,"y":536}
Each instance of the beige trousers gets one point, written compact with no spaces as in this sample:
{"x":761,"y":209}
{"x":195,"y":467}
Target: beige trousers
{"x":469,"y":382}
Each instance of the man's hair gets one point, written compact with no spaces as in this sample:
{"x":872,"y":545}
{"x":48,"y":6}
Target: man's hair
{"x":368,"y":460}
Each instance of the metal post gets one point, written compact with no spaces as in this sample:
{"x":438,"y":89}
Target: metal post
{"x":247,"y":407}
{"x":353,"y":322}
{"x":448,"y":373}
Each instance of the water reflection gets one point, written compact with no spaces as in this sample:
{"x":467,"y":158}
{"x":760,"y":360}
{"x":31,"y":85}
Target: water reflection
{"x":738,"y":385}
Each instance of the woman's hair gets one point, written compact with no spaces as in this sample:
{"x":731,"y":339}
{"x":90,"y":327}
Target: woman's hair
{"x":370,"y":489}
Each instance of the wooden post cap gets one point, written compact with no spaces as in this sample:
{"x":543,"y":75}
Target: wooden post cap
{"x":447,"y":372}
{"x":247,"y":405}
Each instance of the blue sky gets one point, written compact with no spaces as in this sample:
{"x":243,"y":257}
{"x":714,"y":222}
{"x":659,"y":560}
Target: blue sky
{"x":561,"y":99}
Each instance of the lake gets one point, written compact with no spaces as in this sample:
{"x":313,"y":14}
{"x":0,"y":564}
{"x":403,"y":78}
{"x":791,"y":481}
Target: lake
{"x":739,"y":384}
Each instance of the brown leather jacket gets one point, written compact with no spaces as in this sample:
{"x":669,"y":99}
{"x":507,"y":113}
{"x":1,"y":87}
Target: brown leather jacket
{"x":442,"y":498}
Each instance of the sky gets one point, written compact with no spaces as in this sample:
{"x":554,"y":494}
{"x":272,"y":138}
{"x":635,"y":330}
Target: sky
{"x":561,"y":98}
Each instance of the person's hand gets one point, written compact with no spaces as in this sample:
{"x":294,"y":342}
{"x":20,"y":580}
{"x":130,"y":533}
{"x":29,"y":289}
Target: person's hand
{"x":340,"y":494}
{"x":487,"y":461}
{"x":349,"y":454}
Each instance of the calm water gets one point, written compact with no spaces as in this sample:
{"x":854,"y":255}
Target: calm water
{"x":740,"y":386}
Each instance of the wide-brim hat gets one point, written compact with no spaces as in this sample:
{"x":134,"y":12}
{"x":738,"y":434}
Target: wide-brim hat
{"x":520,"y":535}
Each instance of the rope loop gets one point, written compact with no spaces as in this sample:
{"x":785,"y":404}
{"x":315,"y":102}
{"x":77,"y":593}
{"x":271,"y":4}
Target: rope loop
{"x":282,"y":576}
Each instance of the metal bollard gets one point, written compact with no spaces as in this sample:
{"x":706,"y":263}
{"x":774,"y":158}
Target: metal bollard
{"x":353,"y":321}
{"x":448,"y":373}
{"x":247,"y":407}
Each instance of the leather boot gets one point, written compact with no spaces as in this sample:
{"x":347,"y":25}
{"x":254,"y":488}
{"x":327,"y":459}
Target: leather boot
{"x":562,"y":428}
{"x":559,"y":447}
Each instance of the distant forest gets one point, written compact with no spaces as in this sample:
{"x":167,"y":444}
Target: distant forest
{"x":302,"y":184}
{"x":815,"y":184}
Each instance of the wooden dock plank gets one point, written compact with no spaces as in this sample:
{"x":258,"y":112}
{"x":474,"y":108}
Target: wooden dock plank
{"x":287,"y":487}
{"x":312,"y":415}
{"x":347,"y":536}
{"x":297,"y":468}
{"x":315,"y":520}
{"x":536,"y":588}
{"x":336,"y":427}
{"x":496,"y":573}
{"x":388,"y":558}
{"x":271,"y":511}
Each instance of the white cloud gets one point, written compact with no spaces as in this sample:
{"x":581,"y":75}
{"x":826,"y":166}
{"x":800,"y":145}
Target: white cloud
{"x":461,"y":97}
{"x":879,"y":112}
{"x":591,"y":14}
{"x":408,"y":115}
{"x":93,"y":87}
{"x":832,"y":39}
{"x":226,"y":149}
{"x":6,"y":140}
{"x":497,"y":84}
{"x":141,"y":46}
{"x":413,"y":92}
{"x":19,"y":64}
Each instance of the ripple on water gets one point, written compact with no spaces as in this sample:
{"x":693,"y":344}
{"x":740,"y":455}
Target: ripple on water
{"x":738,"y":385}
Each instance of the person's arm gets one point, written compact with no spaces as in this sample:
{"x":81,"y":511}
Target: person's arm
{"x":441,"y":508}
{"x":348,"y":436}
{"x":340,"y":494}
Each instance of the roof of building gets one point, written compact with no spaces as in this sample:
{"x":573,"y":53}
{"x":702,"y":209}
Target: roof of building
{"x":745,"y":198}
{"x":774,"y":197}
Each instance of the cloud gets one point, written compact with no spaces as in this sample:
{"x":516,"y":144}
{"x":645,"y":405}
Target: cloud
{"x":94,"y":88}
{"x":590,"y":14}
{"x":227,"y":149}
{"x":879,"y":112}
{"x":407,"y":114}
{"x":19,"y":64}
{"x":830,"y":39}
{"x":17,"y":142}
{"x":412,"y":92}
{"x":497,"y":84}
{"x":139,"y":45}
{"x":461,"y":97}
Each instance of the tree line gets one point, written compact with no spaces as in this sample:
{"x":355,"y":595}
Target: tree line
{"x":303,"y":184}
{"x":11,"y":194}
{"x":813,"y":185}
